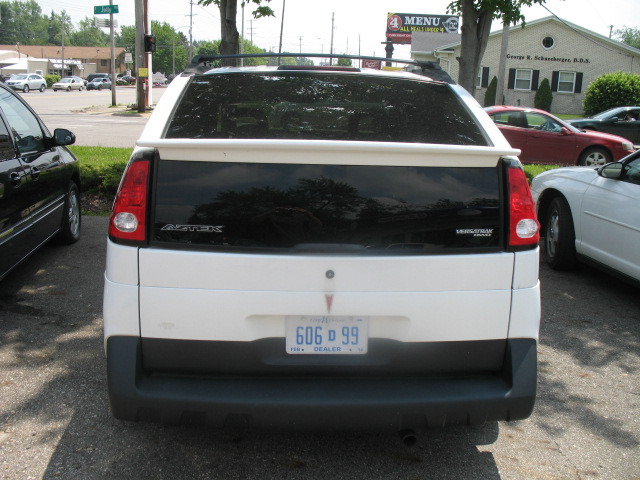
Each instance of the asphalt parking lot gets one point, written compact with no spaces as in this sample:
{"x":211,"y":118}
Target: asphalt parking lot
{"x":55,"y":420}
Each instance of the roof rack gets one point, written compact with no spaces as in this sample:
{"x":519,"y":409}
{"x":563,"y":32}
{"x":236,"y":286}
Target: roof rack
{"x":204,"y":63}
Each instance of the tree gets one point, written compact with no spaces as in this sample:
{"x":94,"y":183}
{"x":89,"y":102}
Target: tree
{"x":170,"y":48}
{"x":344,"y":62}
{"x":611,"y":90}
{"x":477,"y":16}
{"x":630,"y":36}
{"x":228,"y":30}
{"x":543,"y":97}
{"x":24,"y":23}
{"x":88,"y":35}
{"x":490,"y":94}
{"x":59,"y":25}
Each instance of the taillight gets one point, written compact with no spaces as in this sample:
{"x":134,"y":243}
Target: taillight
{"x":129,"y":214}
{"x":524,"y":228}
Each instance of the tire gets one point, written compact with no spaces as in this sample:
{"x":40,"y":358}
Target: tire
{"x":80,"y":89}
{"x":72,"y":217}
{"x":25,"y":89}
{"x":595,"y":156}
{"x":42,"y":88}
{"x":68,"y":89}
{"x":560,"y":238}
{"x":55,"y":89}
{"x":99,"y":87}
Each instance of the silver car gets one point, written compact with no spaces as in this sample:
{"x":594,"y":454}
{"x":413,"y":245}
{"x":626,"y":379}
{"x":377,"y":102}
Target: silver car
{"x":68,"y":84}
{"x":27,"y":81}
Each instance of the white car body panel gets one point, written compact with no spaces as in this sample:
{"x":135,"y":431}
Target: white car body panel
{"x":610,"y":225}
{"x":605,"y":214}
{"x":216,"y":296}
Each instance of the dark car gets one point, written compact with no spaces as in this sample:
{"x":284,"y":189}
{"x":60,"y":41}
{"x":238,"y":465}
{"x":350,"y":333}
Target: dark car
{"x":126,"y":80}
{"x":543,"y":138}
{"x":39,"y":183}
{"x":623,"y":121}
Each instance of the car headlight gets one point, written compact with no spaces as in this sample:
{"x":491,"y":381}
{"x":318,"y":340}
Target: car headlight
{"x":627,"y":146}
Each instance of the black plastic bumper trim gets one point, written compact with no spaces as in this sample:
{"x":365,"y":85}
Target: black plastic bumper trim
{"x":321,"y":403}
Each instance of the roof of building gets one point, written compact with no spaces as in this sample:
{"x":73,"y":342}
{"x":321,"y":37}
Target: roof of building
{"x":578,"y":29}
{"x":55,"y":51}
{"x":430,"y":41}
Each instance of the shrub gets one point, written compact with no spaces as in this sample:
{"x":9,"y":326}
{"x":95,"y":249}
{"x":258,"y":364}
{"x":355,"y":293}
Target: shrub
{"x":101,"y":168}
{"x":543,"y":97}
{"x":490,"y":94}
{"x":611,"y":90}
{"x":51,"y":79}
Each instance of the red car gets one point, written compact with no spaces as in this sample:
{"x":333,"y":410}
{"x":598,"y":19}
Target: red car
{"x":543,"y":138}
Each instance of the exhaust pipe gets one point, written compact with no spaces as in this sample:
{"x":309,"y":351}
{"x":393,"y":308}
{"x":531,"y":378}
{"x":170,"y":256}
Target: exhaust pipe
{"x":408,"y":437}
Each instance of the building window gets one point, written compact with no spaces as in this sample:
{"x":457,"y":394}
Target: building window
{"x":566,"y":82}
{"x":103,"y":63}
{"x":548,"y":42}
{"x":523,"y":79}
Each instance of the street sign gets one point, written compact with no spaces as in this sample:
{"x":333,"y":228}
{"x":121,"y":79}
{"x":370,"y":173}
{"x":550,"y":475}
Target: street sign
{"x":100,"y":9}
{"x":128,"y":57}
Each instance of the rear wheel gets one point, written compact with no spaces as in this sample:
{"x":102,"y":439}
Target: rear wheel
{"x":72,"y":218}
{"x":560,"y":237}
{"x":68,"y":89}
{"x":25,"y":89}
{"x":594,"y":156}
{"x":42,"y":88}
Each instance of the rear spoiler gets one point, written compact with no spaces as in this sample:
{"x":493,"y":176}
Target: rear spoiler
{"x":203,"y":63}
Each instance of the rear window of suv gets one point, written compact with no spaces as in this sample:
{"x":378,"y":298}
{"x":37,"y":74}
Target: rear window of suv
{"x":322,"y":106}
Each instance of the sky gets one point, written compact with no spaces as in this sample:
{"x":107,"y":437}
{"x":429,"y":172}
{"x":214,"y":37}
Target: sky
{"x":359,"y":25}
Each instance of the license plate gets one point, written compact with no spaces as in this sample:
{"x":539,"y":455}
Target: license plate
{"x":327,"y":335}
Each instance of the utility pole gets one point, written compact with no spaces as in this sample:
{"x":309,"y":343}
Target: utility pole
{"x":140,"y":31}
{"x":333,"y":15}
{"x":610,"y":30}
{"x":113,"y":56}
{"x":62,"y":42}
{"x":191,"y":30}
{"x":281,"y":29}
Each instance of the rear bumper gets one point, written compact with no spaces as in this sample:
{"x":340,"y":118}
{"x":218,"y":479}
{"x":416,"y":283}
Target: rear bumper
{"x":321,"y":403}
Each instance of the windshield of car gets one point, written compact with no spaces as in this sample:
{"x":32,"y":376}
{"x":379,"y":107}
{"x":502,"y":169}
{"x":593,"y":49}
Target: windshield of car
{"x":327,"y":106}
{"x":65,"y":80}
{"x":607,"y":113}
{"x":19,"y":77}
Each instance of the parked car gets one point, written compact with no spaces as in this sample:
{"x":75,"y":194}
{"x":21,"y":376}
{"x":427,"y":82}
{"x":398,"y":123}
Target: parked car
{"x":39,"y":183}
{"x":27,"y":81}
{"x":622,"y":121}
{"x":592,"y":215}
{"x":93,"y":76}
{"x":544,"y":138}
{"x":126,"y":80}
{"x":68,"y":84}
{"x":372,"y":268}
{"x":99,"y":83}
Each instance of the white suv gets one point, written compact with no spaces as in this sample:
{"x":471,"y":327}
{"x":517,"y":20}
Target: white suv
{"x":27,"y":81}
{"x":319,"y":247}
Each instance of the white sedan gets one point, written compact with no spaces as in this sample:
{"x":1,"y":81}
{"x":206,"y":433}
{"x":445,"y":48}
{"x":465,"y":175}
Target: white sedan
{"x":592,"y":215}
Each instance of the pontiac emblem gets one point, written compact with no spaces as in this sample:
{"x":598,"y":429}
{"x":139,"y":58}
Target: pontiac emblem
{"x":329,"y":299}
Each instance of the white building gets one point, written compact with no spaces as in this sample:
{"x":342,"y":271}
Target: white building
{"x":569,"y":56}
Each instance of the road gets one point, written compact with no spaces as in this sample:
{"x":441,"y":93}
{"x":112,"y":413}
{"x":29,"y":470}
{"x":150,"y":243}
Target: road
{"x":55,"y":420}
{"x":91,"y":117}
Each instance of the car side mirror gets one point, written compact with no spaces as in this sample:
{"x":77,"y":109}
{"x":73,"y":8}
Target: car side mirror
{"x":63,"y":137}
{"x":611,"y":170}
